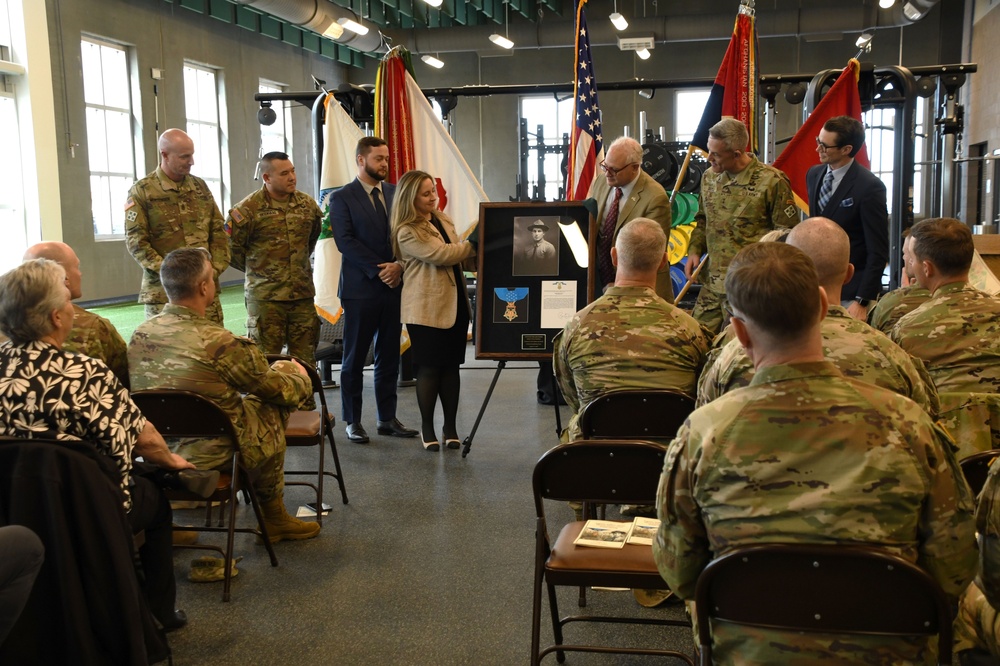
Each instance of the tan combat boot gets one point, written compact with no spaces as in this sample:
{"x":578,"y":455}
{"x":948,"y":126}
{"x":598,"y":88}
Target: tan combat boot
{"x":282,"y":526}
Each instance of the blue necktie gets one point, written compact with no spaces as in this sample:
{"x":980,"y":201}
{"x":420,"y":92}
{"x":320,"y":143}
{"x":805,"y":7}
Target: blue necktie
{"x":825,"y":192}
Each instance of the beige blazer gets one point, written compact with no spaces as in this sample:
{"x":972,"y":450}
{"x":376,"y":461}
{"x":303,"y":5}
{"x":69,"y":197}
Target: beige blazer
{"x":648,"y":199}
{"x":429,"y":285}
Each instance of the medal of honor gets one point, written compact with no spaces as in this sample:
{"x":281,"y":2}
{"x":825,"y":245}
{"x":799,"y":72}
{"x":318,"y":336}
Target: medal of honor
{"x":511,"y":297}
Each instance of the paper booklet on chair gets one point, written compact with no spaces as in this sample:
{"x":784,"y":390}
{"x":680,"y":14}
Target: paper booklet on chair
{"x":604,"y":534}
{"x":643,"y":531}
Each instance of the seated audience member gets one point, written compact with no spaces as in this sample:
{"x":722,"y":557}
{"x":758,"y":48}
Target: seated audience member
{"x":92,"y":335}
{"x":977,"y":628}
{"x":629,"y":338}
{"x":54,"y":394}
{"x":901,"y":301}
{"x":957,"y":330}
{"x":807,"y":455}
{"x":854,"y":347}
{"x":182,"y":349}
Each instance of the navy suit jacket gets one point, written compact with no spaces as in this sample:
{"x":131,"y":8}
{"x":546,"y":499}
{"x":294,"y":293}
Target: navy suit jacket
{"x":858,"y":206}
{"x":364,"y":240}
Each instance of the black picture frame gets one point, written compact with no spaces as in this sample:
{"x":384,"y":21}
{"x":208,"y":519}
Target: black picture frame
{"x":509,"y":328}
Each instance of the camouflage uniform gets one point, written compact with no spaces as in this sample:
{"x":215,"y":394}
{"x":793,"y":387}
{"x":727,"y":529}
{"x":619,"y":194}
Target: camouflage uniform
{"x":806,"y":455}
{"x":161,"y":216}
{"x":181,"y":350}
{"x":271,"y":241}
{"x":957,"y":334}
{"x":978,"y":621}
{"x":858,"y":351}
{"x":894,"y":305}
{"x":734,"y":212}
{"x":628,"y":338}
{"x":96,"y":337}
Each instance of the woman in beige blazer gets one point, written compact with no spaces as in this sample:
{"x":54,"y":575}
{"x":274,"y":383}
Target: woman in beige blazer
{"x":435,"y":304}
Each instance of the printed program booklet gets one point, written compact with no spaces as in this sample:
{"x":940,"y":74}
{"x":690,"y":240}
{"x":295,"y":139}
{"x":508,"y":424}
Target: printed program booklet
{"x":615,"y":534}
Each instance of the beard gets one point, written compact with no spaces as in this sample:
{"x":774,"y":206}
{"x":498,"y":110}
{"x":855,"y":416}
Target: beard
{"x":375,"y":174}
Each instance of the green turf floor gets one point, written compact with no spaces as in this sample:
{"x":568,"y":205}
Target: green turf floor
{"x":127,"y":316}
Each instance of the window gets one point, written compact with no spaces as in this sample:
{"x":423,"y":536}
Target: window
{"x":880,"y":136}
{"x":13,"y":220}
{"x":108,"y":100}
{"x":201,"y":106}
{"x":689,"y":105}
{"x":547,"y":119}
{"x":276,"y":137}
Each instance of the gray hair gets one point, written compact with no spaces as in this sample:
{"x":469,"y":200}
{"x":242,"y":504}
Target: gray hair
{"x":632,"y":148}
{"x":28,"y":296}
{"x":640,"y":245}
{"x":732,"y":133}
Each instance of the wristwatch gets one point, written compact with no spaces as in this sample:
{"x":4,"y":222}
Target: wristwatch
{"x":863,"y":302}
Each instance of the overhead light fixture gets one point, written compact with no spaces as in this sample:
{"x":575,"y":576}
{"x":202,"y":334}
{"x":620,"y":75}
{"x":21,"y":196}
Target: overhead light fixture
{"x":618,"y":21}
{"x":911,"y":12}
{"x":433,"y":3}
{"x":432,"y":61}
{"x":353,"y":26}
{"x":864,"y":40}
{"x":885,"y":4}
{"x":643,"y":53}
{"x":503,"y":41}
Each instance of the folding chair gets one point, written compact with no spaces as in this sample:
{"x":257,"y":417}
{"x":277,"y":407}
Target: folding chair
{"x":652,"y":415}
{"x":177,"y":413}
{"x":976,"y":468}
{"x":309,"y":428}
{"x":821,"y":588}
{"x":594,"y":471}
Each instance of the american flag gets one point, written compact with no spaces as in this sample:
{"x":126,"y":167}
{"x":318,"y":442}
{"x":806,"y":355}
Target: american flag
{"x":586,"y":148}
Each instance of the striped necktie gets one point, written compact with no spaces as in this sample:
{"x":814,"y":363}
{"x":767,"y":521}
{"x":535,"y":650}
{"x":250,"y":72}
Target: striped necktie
{"x":825,"y":192}
{"x":607,"y":238}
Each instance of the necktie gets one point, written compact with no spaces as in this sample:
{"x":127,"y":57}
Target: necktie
{"x":825,"y":192}
{"x":379,"y":208}
{"x":607,"y":238}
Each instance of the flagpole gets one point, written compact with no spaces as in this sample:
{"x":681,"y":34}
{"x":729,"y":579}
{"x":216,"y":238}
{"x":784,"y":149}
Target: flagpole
{"x":683,"y":172}
{"x":687,"y":285}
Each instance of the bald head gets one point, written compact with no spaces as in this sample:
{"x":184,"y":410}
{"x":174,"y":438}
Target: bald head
{"x":176,"y":154}
{"x":827,"y":244}
{"x":63,"y":255}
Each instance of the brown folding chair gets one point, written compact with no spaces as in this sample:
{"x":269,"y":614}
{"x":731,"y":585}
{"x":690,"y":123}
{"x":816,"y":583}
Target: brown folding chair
{"x":309,"y":428}
{"x":177,"y":413}
{"x":594,"y":471}
{"x":976,"y":468}
{"x":821,"y":588}
{"x":653,"y":415}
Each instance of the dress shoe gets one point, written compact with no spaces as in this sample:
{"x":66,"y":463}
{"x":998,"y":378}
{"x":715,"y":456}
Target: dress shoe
{"x":432,"y":445}
{"x":201,"y":482}
{"x":453,"y":443}
{"x":395,"y":429}
{"x":356,"y":433}
{"x":176,"y":620}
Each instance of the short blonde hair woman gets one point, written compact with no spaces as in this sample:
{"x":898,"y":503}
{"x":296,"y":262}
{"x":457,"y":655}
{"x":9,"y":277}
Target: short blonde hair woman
{"x":435,"y":304}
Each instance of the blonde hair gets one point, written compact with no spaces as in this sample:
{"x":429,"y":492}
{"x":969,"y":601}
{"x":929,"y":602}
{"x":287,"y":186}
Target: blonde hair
{"x":404,"y":210}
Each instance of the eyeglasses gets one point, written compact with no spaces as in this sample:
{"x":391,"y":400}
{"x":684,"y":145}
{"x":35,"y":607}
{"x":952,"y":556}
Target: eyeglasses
{"x":613,"y":171}
{"x":729,"y":312}
{"x":820,"y":144}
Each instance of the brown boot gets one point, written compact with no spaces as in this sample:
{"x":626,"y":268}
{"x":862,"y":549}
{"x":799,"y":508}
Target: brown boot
{"x":282,"y":526}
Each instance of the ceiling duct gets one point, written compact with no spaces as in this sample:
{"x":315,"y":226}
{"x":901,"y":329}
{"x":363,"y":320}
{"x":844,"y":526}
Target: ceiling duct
{"x":321,"y":16}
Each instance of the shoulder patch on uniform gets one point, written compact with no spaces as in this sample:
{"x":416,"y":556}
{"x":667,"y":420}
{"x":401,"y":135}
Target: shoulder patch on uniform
{"x":131,"y":215}
{"x":237,"y":215}
{"x":790,"y":211}
{"x":129,"y":203}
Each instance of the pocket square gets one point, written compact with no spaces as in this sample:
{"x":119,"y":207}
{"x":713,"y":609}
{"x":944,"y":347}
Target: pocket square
{"x":847,"y":203}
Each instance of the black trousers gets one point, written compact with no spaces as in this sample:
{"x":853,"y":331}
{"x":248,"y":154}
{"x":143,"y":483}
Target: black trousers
{"x":151,"y":512}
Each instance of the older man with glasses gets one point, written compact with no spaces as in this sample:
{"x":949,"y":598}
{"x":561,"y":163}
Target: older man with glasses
{"x":741,"y":200}
{"x":852,"y":196}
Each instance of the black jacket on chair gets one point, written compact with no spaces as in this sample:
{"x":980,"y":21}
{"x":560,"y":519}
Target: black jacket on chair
{"x":86,"y":606}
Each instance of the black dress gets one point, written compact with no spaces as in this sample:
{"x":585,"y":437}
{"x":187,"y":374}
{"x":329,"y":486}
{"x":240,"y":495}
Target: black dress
{"x":443,"y":346}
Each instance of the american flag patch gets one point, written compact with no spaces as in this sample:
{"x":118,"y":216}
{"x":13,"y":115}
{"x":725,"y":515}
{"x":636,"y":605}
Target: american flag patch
{"x":129,"y":203}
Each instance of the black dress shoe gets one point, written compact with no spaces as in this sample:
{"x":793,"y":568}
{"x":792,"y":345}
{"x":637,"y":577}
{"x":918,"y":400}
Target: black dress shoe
{"x":176,"y":620}
{"x":356,"y":433}
{"x":395,"y":429}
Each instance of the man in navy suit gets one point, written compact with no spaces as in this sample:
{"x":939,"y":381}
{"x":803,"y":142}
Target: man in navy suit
{"x":852,"y":196}
{"x":370,"y":281}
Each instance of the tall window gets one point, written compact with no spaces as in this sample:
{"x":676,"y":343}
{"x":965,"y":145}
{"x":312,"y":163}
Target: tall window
{"x":13,"y":221}
{"x":107,"y":95}
{"x":201,"y":105}
{"x":880,"y":136}
{"x":276,"y":137}
{"x":689,"y":105}
{"x":544,"y":156}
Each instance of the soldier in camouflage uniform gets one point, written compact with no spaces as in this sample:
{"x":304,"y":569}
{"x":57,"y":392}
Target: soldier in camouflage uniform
{"x":858,"y":350}
{"x":181,"y":349}
{"x":170,"y":209}
{"x":629,"y":337}
{"x":92,"y":335}
{"x":272,"y":234}
{"x":807,"y":455}
{"x":957,"y":331}
{"x":741,"y":200}
{"x":897,"y":303}
{"x":977,"y":626}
